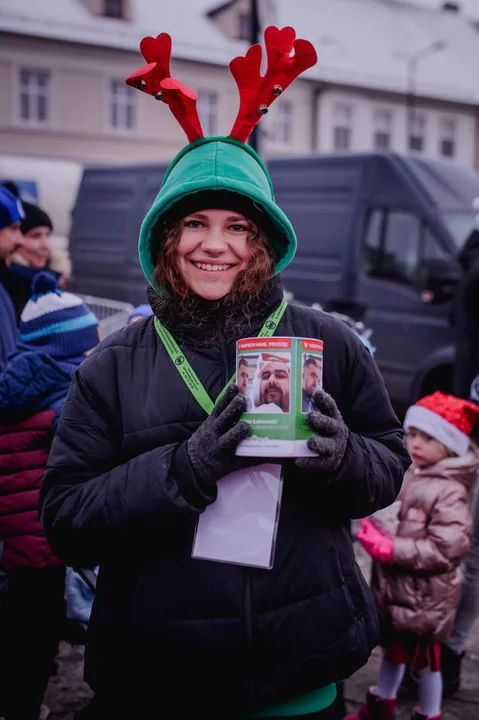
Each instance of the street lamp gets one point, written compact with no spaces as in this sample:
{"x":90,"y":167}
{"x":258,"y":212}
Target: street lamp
{"x":411,"y":82}
{"x":254,"y":38}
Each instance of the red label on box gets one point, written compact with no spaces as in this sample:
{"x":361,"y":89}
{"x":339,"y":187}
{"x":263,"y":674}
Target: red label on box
{"x":274,"y":343}
{"x":316,"y":345}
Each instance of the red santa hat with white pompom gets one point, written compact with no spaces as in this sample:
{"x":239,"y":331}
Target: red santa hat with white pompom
{"x":447,"y":419}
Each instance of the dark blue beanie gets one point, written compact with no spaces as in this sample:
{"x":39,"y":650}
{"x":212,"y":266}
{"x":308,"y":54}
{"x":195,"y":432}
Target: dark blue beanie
{"x":11,"y":209}
{"x":56,"y":322}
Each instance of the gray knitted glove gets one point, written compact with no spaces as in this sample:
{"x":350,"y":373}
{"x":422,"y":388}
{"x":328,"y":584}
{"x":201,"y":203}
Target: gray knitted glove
{"x":330,"y":444}
{"x":211,"y":448}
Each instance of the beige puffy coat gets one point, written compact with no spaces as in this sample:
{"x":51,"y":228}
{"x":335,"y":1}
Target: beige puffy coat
{"x":419,"y":591}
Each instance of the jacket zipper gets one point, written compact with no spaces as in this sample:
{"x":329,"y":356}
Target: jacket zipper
{"x":248,"y":628}
{"x":248,"y":623}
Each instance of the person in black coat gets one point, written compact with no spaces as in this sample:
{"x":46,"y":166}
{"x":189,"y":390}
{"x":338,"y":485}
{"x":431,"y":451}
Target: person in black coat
{"x":139,"y":455}
{"x":465,"y":318}
{"x":134,"y":463}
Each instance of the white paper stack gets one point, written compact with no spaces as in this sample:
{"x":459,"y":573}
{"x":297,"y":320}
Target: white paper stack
{"x":240,"y":526}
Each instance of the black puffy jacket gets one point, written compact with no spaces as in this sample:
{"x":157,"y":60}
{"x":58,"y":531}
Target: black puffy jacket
{"x":119,"y":491}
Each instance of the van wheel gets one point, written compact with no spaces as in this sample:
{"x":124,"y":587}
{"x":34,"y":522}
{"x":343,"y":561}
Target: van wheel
{"x":438,"y":379}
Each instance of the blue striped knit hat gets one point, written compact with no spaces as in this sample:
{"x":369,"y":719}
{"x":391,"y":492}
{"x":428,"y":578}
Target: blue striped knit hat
{"x":57,"y":323}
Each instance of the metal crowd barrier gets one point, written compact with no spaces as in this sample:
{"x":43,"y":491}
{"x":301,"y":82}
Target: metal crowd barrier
{"x":111,"y":314}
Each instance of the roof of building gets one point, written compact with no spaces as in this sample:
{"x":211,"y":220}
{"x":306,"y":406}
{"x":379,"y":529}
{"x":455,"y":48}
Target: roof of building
{"x":195,"y":35}
{"x":363,"y":43}
{"x":368,"y":43}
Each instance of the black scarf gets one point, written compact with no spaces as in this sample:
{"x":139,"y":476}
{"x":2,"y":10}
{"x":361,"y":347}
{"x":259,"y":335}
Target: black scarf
{"x":215,"y":322}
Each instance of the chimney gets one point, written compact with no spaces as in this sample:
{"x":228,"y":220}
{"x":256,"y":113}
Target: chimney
{"x":452,"y":7}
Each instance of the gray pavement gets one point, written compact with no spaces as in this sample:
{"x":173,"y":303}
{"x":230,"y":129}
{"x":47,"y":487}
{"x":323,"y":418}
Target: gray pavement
{"x":463,"y":706}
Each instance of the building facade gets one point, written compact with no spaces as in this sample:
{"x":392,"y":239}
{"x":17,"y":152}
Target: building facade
{"x":352,"y":120}
{"x":64,"y":95}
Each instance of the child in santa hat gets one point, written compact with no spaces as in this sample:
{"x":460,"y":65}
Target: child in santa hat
{"x":416,"y":572}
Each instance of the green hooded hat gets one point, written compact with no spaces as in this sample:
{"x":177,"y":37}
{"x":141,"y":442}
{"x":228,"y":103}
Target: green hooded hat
{"x":209,"y":168}
{"x":217,"y":164}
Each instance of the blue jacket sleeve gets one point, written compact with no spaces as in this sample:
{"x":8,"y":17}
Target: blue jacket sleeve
{"x":90,"y":503}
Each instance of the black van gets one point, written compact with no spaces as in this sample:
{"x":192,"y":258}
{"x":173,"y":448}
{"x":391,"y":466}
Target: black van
{"x":377,"y":233}
{"x":106,"y":219}
{"x":380,"y":232}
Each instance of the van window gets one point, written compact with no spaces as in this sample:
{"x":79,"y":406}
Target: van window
{"x":392,"y":245}
{"x":372,"y":245}
{"x":460,"y":225}
{"x":396,"y":243}
{"x":430,"y":247}
{"x":400,"y":253}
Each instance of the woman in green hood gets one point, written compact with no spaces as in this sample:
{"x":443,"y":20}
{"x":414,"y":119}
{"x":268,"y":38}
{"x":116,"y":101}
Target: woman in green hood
{"x":147,"y":434}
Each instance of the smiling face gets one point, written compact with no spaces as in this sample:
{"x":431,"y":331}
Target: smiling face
{"x":212,"y":250}
{"x":423,"y":449}
{"x":11,"y":239}
{"x":36,"y":244}
{"x":274,"y":387}
{"x":243,"y":376}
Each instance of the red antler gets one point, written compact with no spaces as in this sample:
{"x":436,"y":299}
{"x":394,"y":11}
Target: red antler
{"x":258,"y":92}
{"x":155,"y":79}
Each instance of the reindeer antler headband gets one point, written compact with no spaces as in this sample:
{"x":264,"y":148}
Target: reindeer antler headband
{"x":287,"y":58}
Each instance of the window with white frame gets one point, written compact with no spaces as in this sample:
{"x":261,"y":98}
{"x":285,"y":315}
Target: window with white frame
{"x":417,"y":131}
{"x":283,"y":121}
{"x":34,"y":94}
{"x":122,"y":106}
{"x":113,"y":8}
{"x":244,"y":26}
{"x":342,"y":128}
{"x":447,"y":136}
{"x":382,"y":128}
{"x":207,"y":105}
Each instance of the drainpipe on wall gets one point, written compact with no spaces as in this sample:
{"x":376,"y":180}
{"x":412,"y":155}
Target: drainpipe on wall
{"x":317,"y":90}
{"x":254,"y":39}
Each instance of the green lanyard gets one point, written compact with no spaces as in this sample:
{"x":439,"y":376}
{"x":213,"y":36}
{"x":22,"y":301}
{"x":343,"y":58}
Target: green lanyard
{"x":186,"y":371}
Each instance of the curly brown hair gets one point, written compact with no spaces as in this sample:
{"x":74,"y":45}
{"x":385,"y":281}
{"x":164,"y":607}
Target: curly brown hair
{"x":248,"y":281}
